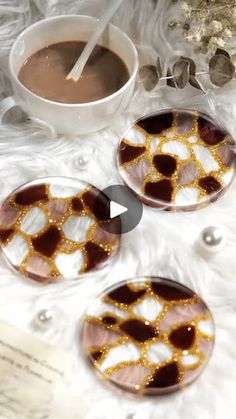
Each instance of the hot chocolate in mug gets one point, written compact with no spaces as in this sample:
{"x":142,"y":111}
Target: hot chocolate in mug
{"x":70,"y":119}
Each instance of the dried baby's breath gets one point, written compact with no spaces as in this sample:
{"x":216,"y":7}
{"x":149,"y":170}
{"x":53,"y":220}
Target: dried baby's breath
{"x":208,"y":23}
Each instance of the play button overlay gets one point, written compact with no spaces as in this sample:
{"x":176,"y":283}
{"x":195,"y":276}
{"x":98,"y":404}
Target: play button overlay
{"x":116,"y":209}
{"x":123,"y":210}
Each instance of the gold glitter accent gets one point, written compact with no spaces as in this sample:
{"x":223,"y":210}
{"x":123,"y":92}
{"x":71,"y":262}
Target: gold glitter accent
{"x":143,"y":361}
{"x":155,"y":176}
{"x":66,"y":245}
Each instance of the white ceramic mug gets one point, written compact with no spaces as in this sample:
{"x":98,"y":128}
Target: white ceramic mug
{"x":70,"y":118}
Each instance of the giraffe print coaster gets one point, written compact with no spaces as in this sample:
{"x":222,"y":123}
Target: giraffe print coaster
{"x":149,"y":336}
{"x":49,"y":229}
{"x":177,"y":160}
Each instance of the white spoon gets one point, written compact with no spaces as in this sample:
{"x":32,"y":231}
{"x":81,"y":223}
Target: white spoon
{"x":78,"y":68}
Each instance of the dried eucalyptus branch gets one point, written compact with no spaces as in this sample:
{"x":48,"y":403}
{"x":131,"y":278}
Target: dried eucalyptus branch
{"x":221,"y":71}
{"x":150,"y":75}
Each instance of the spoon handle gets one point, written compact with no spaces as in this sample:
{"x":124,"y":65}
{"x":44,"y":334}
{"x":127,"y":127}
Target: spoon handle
{"x":102,"y":24}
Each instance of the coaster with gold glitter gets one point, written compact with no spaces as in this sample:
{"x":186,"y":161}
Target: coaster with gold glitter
{"x":177,"y":160}
{"x":49,"y":229}
{"x":149,"y":336}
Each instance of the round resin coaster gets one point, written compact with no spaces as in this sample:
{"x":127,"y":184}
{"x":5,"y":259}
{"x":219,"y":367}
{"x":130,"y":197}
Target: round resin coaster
{"x":49,"y":229}
{"x":149,"y":336}
{"x":177,"y":160}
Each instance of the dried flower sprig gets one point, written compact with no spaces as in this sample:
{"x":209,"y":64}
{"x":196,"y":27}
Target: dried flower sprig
{"x":221,"y":71}
{"x":209,"y":23}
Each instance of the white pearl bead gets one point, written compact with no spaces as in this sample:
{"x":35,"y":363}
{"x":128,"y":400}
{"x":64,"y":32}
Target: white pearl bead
{"x":210,"y":241}
{"x":212,"y":236}
{"x":44,"y":318}
{"x":83,"y":161}
{"x":85,"y":157}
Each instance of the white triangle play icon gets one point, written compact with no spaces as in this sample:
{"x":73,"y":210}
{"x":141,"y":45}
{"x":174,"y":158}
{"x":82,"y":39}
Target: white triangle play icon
{"x":116,"y":209}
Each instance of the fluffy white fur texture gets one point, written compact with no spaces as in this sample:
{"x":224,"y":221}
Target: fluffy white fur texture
{"x":162,"y":244}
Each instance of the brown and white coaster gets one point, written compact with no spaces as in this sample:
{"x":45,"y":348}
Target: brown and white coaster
{"x":177,"y":159}
{"x":149,"y":336}
{"x":49,"y":229}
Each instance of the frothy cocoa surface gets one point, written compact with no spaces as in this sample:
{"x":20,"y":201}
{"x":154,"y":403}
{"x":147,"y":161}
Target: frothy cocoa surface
{"x":45,"y":72}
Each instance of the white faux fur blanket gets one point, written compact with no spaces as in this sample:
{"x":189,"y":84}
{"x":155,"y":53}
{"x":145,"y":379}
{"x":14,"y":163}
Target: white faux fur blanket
{"x":162,"y":244}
